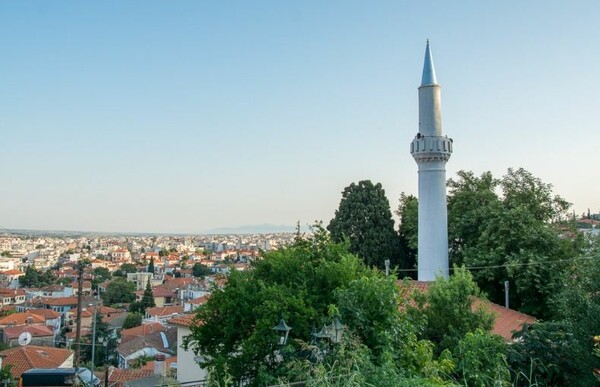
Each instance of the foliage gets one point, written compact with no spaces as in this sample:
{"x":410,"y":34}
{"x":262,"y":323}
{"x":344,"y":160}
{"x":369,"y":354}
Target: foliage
{"x":102,"y":352}
{"x":101,"y":274}
{"x":365,"y":219}
{"x":119,"y":291}
{"x":132,"y":320}
{"x":481,"y":360}
{"x":200,"y":270}
{"x":308,"y":284}
{"x":34,"y":278}
{"x":128,"y":268}
{"x":544,"y":353}
{"x":520,"y":235}
{"x":408,"y":212}
{"x":448,"y":310}
{"x":6,"y":254}
{"x":148,"y":297}
{"x":151,"y":265}
{"x":577,"y":305}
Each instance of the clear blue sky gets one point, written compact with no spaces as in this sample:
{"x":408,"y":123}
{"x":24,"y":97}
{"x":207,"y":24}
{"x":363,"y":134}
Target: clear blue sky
{"x":181,"y":116}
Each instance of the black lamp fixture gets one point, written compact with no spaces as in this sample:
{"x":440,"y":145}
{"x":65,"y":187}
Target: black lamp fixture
{"x":283,"y":330}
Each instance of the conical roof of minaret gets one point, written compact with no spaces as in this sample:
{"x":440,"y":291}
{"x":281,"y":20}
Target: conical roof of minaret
{"x":428,"y":69}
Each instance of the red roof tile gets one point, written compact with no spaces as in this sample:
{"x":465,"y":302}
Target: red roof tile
{"x":23,"y":358}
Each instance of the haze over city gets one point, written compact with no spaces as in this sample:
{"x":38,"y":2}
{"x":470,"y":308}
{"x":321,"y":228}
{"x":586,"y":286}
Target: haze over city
{"x":147,"y":116}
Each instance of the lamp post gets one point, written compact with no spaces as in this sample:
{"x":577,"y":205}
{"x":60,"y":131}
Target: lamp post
{"x":283,"y":330}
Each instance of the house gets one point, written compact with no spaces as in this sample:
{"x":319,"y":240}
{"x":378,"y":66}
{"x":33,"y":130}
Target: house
{"x":193,"y":304}
{"x":86,"y":288}
{"x":188,"y":369}
{"x":11,"y":277}
{"x":12,"y":296}
{"x":23,"y":318}
{"x":59,"y":304}
{"x":51,"y":317}
{"x":56,"y":291}
{"x":141,"y":280}
{"x":147,"y":345}
{"x":164,"y":295}
{"x":40,"y":335}
{"x":24,"y":358}
{"x":141,"y":330}
{"x":163,"y":313}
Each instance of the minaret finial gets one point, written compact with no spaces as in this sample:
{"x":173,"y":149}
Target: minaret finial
{"x":428,"y":69}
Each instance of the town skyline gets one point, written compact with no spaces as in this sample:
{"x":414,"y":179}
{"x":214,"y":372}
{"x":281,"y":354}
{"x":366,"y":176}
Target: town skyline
{"x":186,"y":117}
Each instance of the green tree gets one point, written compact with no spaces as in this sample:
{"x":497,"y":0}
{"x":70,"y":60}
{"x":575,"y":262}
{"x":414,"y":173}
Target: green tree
{"x":308,"y":284}
{"x":408,"y":212}
{"x":36,"y":278}
{"x":119,"y":291}
{"x":102,"y":352}
{"x":151,"y":265}
{"x":548,"y":354}
{"x":365,"y":219}
{"x":6,"y":254}
{"x":447,"y":306}
{"x":566,"y":345}
{"x":148,"y":297}
{"x":481,"y":360}
{"x":132,"y":320}
{"x":101,"y":274}
{"x":200,"y":270}
{"x":128,"y":268}
{"x":518,"y":235}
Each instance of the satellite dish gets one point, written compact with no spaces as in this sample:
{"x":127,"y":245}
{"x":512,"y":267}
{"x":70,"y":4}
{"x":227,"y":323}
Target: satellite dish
{"x":24,"y":338}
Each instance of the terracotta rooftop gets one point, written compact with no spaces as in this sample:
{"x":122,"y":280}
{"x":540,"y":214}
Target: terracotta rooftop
{"x":160,"y":311}
{"x":507,"y":320}
{"x":22,"y":318}
{"x":60,"y":301}
{"x":12,"y":272}
{"x":35,"y":330}
{"x":152,"y":340}
{"x":117,"y":376}
{"x":168,"y":361}
{"x":142,"y":330}
{"x":23,"y":358}
{"x":185,"y":320}
{"x":47,"y":314}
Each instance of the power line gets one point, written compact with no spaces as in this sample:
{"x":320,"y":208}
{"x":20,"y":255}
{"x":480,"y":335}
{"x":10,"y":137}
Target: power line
{"x":518,"y":264}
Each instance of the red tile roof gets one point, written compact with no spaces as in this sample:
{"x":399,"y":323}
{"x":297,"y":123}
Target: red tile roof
{"x":22,"y":318}
{"x":23,"y":358}
{"x":164,"y":310}
{"x":35,"y":330}
{"x":507,"y":320}
{"x":48,"y":314}
{"x":60,"y":301}
{"x":142,"y":330}
{"x":184,"y":320}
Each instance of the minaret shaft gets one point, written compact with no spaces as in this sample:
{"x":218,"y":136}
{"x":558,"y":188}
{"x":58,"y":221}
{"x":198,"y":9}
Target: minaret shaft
{"x":431,"y":150}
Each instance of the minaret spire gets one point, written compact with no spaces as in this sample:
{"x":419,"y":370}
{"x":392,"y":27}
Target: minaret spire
{"x":428,"y":77}
{"x":431,"y":150}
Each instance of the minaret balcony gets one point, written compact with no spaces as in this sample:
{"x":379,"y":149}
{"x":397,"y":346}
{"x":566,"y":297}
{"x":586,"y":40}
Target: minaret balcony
{"x":431,"y":148}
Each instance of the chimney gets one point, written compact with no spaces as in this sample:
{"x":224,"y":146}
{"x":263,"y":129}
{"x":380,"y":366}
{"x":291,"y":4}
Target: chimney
{"x":160,"y":367}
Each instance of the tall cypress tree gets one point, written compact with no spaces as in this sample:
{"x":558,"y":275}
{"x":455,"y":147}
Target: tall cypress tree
{"x":151,"y":265}
{"x":148,"y":298}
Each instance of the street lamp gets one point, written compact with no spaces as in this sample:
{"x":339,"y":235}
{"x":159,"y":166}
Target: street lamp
{"x":283,"y":330}
{"x":336,"y":330}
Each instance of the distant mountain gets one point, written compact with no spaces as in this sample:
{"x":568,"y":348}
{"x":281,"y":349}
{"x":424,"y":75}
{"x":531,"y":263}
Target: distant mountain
{"x":254,"y":229}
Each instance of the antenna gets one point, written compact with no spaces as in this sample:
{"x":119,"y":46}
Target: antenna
{"x":24,"y":339}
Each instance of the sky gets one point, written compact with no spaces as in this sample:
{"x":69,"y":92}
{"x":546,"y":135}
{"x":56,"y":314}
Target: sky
{"x":182,"y":116}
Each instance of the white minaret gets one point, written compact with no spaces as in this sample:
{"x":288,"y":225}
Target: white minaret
{"x":431,"y":151}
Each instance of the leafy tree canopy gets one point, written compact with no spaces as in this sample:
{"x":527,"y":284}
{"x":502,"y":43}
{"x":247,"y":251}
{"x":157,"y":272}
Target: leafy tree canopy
{"x":36,"y":278}
{"x":132,"y":320}
{"x":128,"y":268}
{"x":119,"y":291}
{"x":365,"y":219}
{"x":308,"y":284}
{"x":200,"y":270}
{"x":448,"y":310}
